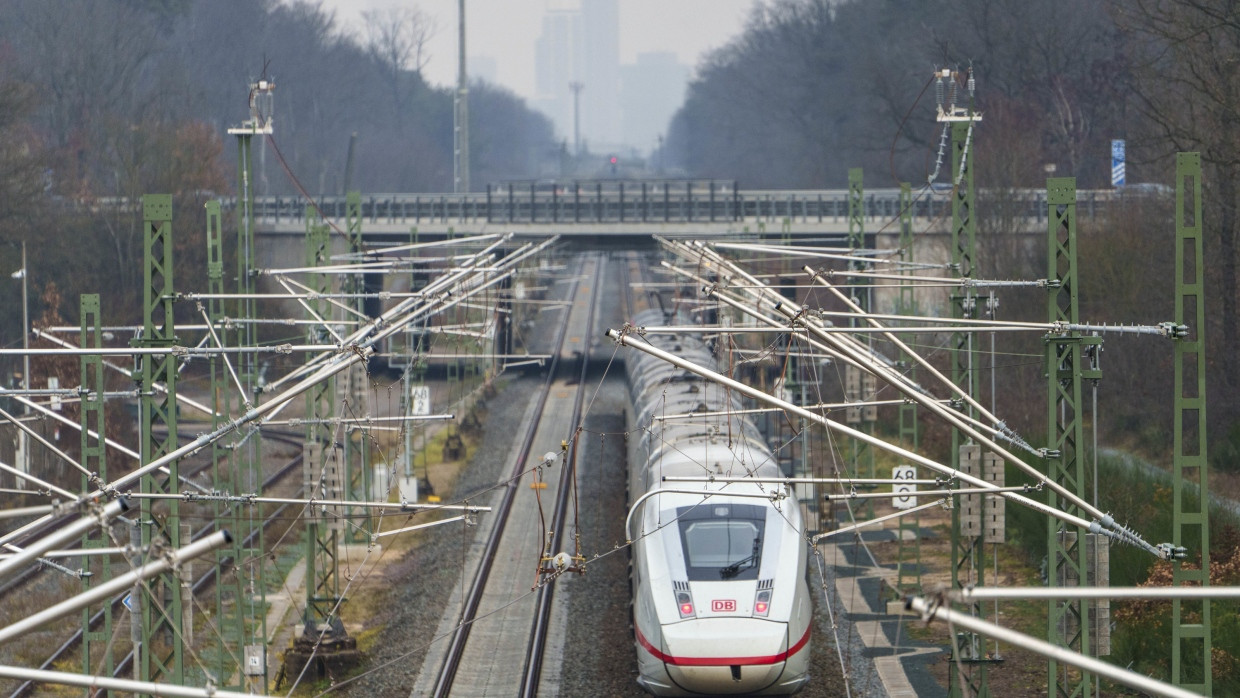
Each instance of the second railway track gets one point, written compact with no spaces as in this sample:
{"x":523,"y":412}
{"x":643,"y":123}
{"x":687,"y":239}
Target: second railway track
{"x":200,"y":584}
{"x":501,"y":628}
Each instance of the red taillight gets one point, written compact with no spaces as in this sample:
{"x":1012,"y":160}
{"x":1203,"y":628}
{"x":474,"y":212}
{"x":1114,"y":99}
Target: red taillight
{"x":762,"y":602}
{"x":684,"y":603}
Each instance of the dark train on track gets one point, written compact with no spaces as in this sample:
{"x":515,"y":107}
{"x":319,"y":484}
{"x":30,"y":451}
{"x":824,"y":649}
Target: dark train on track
{"x":720,"y":601}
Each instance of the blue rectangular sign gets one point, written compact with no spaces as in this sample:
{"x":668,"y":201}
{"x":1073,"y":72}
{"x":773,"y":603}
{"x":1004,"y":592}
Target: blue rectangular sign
{"x":1117,"y":162}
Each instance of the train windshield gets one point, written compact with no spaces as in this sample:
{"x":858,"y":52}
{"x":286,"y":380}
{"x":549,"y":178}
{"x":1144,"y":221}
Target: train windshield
{"x":722,"y":542}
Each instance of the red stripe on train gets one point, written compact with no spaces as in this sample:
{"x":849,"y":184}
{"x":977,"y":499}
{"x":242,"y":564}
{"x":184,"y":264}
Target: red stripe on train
{"x":720,"y":661}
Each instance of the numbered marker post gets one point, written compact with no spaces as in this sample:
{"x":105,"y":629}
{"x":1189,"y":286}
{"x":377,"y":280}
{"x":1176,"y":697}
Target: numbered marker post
{"x":421,"y":398}
{"x":904,"y":472}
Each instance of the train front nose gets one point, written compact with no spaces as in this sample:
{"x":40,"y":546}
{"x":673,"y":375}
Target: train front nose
{"x":725,"y":655}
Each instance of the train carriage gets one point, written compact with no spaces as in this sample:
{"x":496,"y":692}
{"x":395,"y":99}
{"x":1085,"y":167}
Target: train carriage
{"x":720,"y":602}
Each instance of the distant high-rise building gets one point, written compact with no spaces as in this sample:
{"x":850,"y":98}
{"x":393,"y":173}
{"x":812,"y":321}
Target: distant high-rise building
{"x":580,"y":42}
{"x":652,"y":89}
{"x":600,"y":100}
{"x":557,"y":62}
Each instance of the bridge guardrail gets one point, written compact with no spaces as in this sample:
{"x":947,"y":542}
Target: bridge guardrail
{"x":650,"y":202}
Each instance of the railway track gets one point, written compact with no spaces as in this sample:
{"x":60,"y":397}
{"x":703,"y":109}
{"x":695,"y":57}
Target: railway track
{"x":532,"y":670}
{"x":19,"y":580}
{"x":200,"y":585}
{"x":509,"y":540}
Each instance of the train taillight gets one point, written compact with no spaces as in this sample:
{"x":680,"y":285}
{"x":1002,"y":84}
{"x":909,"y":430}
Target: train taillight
{"x":684,"y":603}
{"x":762,"y":602}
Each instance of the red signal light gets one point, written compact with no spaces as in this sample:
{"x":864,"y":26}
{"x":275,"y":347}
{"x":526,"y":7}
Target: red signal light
{"x":614,"y":159}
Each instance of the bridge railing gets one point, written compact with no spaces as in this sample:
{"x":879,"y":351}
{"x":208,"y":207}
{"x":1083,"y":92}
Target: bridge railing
{"x":654,"y":202}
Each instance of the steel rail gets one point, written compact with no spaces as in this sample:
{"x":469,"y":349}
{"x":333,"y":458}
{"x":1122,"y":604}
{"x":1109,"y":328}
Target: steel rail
{"x":456,"y":649}
{"x":201,"y":584}
{"x":54,"y":524}
{"x":532,"y":671}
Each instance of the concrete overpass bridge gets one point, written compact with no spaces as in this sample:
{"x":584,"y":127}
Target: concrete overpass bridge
{"x":614,"y":212}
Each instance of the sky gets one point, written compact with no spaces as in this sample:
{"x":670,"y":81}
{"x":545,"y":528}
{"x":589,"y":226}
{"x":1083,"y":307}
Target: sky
{"x":507,"y":29}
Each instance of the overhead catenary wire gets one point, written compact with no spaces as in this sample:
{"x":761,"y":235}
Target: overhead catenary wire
{"x":44,"y":442}
{"x":97,"y":515}
{"x":808,"y":480}
{"x":921,"y":362}
{"x":389,"y":323}
{"x":255,"y":499}
{"x":178,"y":350}
{"x":1103,"y":526}
{"x":438,"y":295}
{"x":796,"y":316}
{"x":324,"y":324}
{"x":828,"y":406}
{"x":112,"y":445}
{"x":939,"y":502}
{"x":107,"y":683}
{"x":858,"y":357}
{"x":932,"y":610}
{"x":157,"y":387}
{"x":1006,"y":593}
{"x":454,"y":242}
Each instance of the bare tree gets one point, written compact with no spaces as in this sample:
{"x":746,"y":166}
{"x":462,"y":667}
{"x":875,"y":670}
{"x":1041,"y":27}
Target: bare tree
{"x":395,"y":39}
{"x":1187,"y":86}
{"x":21,"y":168}
{"x":88,"y":58}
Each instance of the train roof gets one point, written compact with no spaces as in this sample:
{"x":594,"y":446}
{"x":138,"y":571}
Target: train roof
{"x":709,"y":455}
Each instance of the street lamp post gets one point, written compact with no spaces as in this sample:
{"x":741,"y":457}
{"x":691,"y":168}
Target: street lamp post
{"x":460,"y":183}
{"x":23,"y":454}
{"x":576,"y":87}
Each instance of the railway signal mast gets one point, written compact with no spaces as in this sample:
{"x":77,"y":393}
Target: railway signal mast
{"x":245,"y":457}
{"x":969,"y":660}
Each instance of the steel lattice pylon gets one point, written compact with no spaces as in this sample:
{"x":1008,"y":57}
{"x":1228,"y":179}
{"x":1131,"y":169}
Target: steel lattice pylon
{"x":94,"y":460}
{"x":862,"y":389}
{"x":354,"y":391}
{"x":231,"y":472}
{"x":906,"y":304}
{"x":967,"y":549}
{"x":1191,"y":640}
{"x":160,"y":657}
{"x":322,"y":460}
{"x":1067,"y":559}
{"x":247,"y":456}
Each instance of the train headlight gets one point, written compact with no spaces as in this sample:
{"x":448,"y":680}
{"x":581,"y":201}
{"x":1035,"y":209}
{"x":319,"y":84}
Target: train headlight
{"x":762,"y":603}
{"x":684,"y":603}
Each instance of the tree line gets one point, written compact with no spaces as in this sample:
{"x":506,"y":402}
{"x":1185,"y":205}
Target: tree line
{"x":811,"y":88}
{"x":116,"y":98}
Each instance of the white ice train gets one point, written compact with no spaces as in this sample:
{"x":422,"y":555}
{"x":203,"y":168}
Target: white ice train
{"x":720,"y":601}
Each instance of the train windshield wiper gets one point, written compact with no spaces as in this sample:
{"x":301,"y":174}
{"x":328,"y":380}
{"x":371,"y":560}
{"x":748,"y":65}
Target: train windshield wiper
{"x":745,"y":563}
